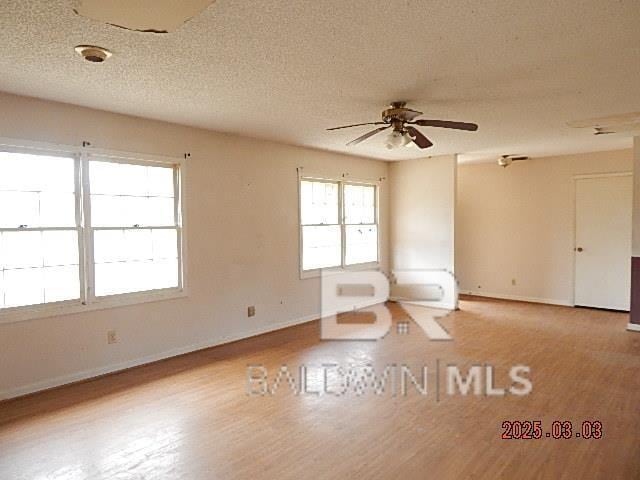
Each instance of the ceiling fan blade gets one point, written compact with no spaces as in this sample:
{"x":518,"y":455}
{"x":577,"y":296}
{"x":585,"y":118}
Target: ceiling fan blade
{"x":366,"y":135}
{"x":418,"y":138}
{"x":472,"y":127}
{"x":357,"y":125}
{"x":515,"y":159}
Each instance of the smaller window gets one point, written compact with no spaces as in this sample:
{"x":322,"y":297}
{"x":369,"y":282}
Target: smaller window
{"x":338,"y":224}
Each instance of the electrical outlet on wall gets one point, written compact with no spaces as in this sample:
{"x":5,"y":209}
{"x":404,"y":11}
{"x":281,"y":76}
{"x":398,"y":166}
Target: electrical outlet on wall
{"x":251,"y":311}
{"x":112,"y":337}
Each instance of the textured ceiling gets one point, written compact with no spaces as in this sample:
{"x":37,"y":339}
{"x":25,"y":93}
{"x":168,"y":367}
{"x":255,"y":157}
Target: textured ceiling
{"x":287,"y":69}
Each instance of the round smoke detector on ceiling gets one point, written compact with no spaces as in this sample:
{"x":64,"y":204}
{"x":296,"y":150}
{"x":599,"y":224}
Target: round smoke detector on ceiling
{"x":92,"y":53}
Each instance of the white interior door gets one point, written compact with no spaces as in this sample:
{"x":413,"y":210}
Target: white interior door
{"x":603,"y":242}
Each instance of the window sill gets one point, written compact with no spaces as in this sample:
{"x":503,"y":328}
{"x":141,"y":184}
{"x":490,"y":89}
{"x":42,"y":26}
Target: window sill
{"x":305,"y":274}
{"x":31,"y":312}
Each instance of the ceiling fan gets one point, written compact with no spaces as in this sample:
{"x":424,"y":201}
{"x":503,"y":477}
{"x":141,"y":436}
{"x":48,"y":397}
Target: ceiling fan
{"x":506,"y":160}
{"x":402,"y":120}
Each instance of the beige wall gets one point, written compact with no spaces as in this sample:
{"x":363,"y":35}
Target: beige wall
{"x":242,"y":233}
{"x":518,"y":223}
{"x":422,"y":206}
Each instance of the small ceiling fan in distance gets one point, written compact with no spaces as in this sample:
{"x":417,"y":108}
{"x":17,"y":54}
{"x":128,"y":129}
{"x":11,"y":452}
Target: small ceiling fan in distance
{"x":506,"y":160}
{"x":402,"y":120}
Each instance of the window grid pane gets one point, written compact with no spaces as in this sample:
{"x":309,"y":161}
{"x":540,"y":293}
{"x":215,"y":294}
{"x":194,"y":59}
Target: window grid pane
{"x":321,"y":246}
{"x":359,"y":204}
{"x":126,"y":195}
{"x":361,"y":244}
{"x":22,"y":172}
{"x":136,"y":244}
{"x":38,"y":267}
{"x":36,"y":191}
{"x":319,"y":203}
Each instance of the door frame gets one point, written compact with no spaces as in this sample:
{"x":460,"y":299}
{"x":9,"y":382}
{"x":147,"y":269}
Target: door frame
{"x":575,"y":178}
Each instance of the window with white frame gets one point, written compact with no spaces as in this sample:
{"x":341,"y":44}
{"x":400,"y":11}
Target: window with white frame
{"x":338,"y":224}
{"x":79,"y":228}
{"x":39,"y":248}
{"x":134,"y":226}
{"x":360,"y":224}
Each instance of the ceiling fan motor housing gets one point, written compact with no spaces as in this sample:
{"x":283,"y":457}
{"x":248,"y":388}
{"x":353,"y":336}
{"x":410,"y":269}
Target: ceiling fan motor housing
{"x":401,"y":114}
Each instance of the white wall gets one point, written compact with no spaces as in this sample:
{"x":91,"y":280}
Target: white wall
{"x":242,"y":233}
{"x":422,"y":221}
{"x":422,"y":206}
{"x":518,"y":223}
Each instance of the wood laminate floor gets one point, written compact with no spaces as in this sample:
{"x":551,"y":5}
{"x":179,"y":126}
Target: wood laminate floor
{"x":190,"y":417}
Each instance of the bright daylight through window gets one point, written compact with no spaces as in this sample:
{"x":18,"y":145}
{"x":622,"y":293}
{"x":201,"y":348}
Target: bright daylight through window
{"x":77,"y":228}
{"x":339,"y":224}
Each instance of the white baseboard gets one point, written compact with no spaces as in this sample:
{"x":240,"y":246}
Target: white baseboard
{"x":518,"y":298}
{"x":96,"y":372}
{"x":633,"y":327}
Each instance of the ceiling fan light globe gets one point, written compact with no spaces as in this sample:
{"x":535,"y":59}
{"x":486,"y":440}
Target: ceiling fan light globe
{"x":407,"y":140}
{"x":395,"y":140}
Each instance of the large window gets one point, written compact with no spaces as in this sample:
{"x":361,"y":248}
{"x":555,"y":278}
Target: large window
{"x":79,"y":228}
{"x":338,"y":224}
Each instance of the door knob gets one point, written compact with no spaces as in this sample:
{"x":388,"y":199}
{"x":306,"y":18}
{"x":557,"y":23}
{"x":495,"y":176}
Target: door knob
{"x":579,"y":249}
